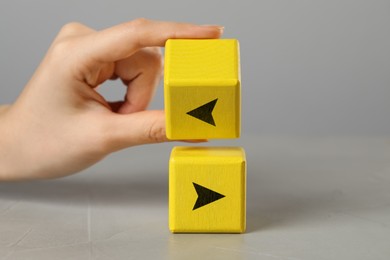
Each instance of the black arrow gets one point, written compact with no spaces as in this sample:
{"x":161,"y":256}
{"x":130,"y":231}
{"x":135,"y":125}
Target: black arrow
{"x":204,"y":112}
{"x":205,"y":196}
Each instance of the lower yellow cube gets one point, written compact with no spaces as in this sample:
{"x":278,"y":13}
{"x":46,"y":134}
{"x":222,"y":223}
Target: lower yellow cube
{"x":207,"y":190}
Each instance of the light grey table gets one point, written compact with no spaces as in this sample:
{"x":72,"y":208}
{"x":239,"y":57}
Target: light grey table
{"x":308,"y":198}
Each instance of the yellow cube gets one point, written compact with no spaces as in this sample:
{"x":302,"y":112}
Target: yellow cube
{"x":202,"y":89}
{"x":207,"y":190}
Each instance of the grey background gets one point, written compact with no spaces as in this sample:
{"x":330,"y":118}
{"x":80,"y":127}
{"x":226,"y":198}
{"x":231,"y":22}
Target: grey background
{"x":308,"y":67}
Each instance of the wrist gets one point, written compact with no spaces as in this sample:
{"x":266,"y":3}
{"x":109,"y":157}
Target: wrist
{"x":5,"y":163}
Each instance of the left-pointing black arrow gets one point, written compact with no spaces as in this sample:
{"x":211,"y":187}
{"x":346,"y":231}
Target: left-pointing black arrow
{"x":205,"y":196}
{"x":204,"y":112}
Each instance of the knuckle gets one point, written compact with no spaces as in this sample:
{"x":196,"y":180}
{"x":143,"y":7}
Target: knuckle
{"x":156,"y":133}
{"x":139,"y":22}
{"x":65,"y":41}
{"x":136,"y":27}
{"x":71,"y":28}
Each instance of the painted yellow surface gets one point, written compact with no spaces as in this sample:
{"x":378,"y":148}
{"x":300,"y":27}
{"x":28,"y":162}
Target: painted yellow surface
{"x":196,"y":73}
{"x":220,"y":169}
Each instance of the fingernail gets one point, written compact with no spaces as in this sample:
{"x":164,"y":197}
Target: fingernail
{"x":219,"y":27}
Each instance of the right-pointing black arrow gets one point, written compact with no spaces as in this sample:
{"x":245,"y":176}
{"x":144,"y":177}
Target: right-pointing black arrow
{"x":204,"y":112}
{"x":205,"y":196}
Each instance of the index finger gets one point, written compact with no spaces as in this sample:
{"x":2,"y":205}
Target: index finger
{"x":121,"y":41}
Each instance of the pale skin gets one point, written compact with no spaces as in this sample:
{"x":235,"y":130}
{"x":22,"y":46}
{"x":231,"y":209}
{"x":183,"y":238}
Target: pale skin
{"x":60,"y":124}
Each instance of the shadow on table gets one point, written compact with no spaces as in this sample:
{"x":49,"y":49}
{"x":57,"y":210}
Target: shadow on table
{"x":278,"y":210}
{"x":118,"y":191}
{"x":297,"y":205}
{"x":268,"y":206}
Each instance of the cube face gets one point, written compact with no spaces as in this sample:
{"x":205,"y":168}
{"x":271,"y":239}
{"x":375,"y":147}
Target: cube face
{"x":207,"y":187}
{"x":202,"y":89}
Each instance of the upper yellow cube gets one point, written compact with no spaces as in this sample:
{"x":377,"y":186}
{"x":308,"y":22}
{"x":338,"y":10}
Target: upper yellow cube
{"x":202,"y":89}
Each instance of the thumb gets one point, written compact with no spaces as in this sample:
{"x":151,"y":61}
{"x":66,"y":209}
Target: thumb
{"x":143,"y":127}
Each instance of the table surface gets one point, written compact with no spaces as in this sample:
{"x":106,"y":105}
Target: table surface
{"x":308,"y":198}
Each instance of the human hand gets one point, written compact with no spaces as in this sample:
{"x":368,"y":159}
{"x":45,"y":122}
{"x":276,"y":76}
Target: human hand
{"x":60,"y":124}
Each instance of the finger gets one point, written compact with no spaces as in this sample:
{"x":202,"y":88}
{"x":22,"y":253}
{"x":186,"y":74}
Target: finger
{"x":141,"y":73}
{"x":144,"y":127}
{"x":123,"y":40}
{"x":135,"y":129}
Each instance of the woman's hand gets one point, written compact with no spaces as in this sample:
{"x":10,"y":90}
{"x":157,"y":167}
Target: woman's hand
{"x":60,"y":124}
